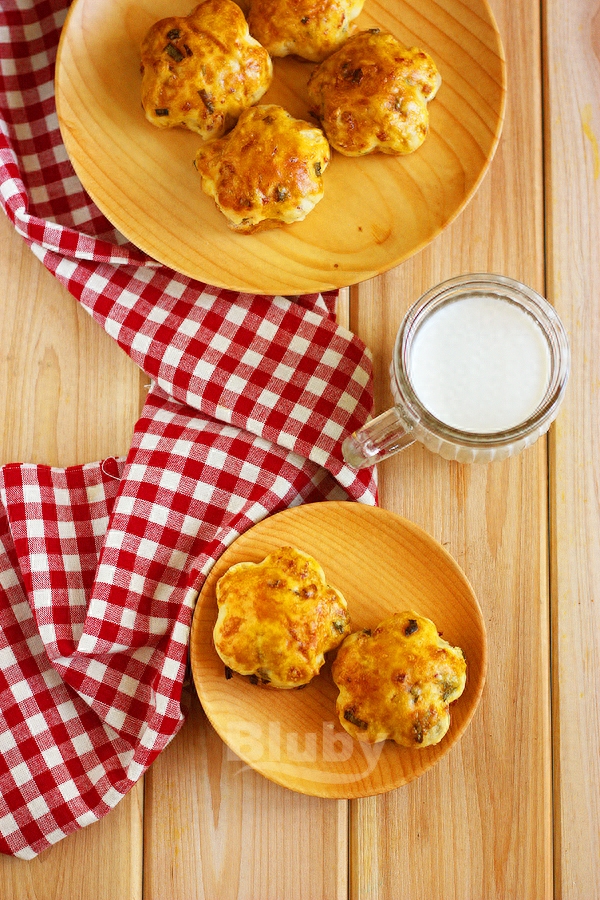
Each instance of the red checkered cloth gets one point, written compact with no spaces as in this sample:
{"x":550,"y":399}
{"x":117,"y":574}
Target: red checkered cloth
{"x":100,"y":565}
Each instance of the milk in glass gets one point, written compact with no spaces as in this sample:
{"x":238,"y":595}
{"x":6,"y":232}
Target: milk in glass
{"x":479,"y":370}
{"x":480,"y":364}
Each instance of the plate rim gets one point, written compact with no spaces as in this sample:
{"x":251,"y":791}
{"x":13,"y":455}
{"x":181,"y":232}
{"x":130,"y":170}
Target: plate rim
{"x":338,"y":507}
{"x":314,"y":279}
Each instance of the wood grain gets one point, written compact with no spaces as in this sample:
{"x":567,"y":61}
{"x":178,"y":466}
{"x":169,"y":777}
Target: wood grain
{"x":479,"y":824}
{"x":69,"y":395}
{"x":572,"y":117}
{"x":377,"y":210}
{"x":217,"y":829}
{"x":102,"y":861}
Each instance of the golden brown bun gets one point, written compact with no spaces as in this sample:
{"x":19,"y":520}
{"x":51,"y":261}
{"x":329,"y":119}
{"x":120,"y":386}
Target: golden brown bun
{"x":311,"y":29}
{"x":372,"y":94}
{"x":398,"y":681}
{"x":267,"y":171}
{"x":278,"y":618}
{"x":202,"y":70}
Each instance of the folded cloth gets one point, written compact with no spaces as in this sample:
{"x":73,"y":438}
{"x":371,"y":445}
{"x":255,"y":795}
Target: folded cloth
{"x":100,"y":564}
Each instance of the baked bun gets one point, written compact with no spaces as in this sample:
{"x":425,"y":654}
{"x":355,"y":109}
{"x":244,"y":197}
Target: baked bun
{"x":267,"y":172}
{"x":372,"y":94}
{"x":278,"y":618}
{"x":311,"y":29}
{"x":398,"y":681}
{"x":201,"y":70}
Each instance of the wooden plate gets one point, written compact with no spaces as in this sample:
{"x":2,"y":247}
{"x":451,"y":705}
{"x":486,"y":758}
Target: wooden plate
{"x":382,"y":564}
{"x":376,"y":211}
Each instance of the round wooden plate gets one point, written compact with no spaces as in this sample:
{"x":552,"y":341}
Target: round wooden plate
{"x":382,"y":563}
{"x":376,"y":211}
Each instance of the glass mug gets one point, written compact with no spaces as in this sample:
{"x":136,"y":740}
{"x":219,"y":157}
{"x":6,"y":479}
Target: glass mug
{"x":479,"y":369}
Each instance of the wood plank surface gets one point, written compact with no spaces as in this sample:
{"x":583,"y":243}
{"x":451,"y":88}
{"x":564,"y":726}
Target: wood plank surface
{"x":495,"y":819}
{"x":233,"y":835}
{"x":572,"y":119}
{"x":479,"y":824}
{"x":69,"y":395}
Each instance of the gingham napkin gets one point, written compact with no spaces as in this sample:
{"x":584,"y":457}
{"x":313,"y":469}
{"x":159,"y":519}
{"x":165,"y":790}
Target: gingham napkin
{"x":100,"y":564}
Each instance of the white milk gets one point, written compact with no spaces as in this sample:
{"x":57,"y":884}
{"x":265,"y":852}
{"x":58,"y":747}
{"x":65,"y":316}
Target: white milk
{"x":480,"y":364}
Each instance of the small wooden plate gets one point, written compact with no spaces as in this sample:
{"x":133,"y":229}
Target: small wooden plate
{"x":376,"y":211}
{"x":382,"y":563}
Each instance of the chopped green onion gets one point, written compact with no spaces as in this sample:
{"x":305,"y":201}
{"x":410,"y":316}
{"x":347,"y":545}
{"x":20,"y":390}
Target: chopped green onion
{"x":350,"y":716}
{"x":207,"y":101}
{"x":411,"y":627}
{"x":173,"y":52}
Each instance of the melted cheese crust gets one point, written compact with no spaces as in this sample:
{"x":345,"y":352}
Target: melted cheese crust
{"x":311,"y":29}
{"x":372,"y":94}
{"x":398,"y":681}
{"x":267,"y":171}
{"x":278,"y":618}
{"x":200,"y":71}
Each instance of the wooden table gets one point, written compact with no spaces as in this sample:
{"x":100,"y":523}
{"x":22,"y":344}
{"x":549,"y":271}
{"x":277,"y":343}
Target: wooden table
{"x":513,"y":811}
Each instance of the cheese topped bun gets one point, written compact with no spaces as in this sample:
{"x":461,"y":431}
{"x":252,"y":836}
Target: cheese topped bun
{"x":372,"y":94}
{"x":278,"y":618}
{"x":311,"y":29}
{"x":201,"y":70}
{"x":398,"y":681}
{"x":267,"y":171}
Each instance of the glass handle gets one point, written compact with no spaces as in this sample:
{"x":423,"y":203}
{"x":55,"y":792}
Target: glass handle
{"x":378,"y":439}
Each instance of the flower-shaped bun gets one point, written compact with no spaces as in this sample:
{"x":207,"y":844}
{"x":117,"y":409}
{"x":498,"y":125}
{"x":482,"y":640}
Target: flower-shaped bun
{"x":398,"y":681}
{"x":278,"y":618}
{"x":202,"y":70}
{"x":311,"y":29}
{"x":267,"y":171}
{"x":372,"y":94}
